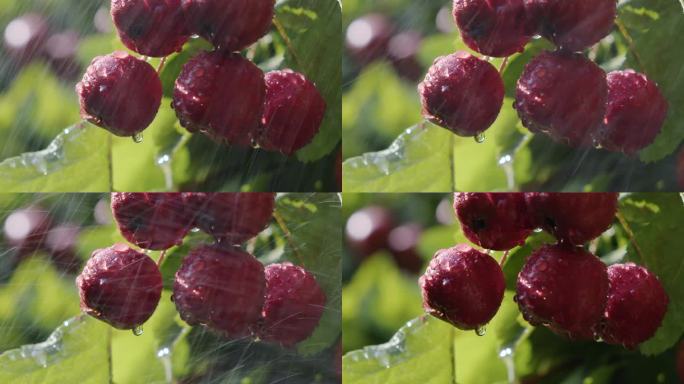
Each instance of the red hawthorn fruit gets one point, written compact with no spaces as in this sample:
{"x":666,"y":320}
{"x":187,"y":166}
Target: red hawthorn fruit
{"x":573,"y":25}
{"x":367,"y":230}
{"x":120,"y":286}
{"x":150,"y":27}
{"x":222,"y":288}
{"x":635,"y":112}
{"x":60,"y":243}
{"x":637,"y":304}
{"x":116,"y":83}
{"x":25,"y":37}
{"x":293,"y":112}
{"x":367,"y":38}
{"x":402,"y":52}
{"x":293,"y":306}
{"x":562,"y":95}
{"x":497,"y":28}
{"x":231,"y":217}
{"x":462,"y":93}
{"x":463,"y":286}
{"x":221,"y":95}
{"x":402,"y":242}
{"x":572,"y":217}
{"x":564,"y":288}
{"x":25,"y":229}
{"x":151,"y":220}
{"x":60,"y":52}
{"x":229,"y":25}
{"x":495,"y":221}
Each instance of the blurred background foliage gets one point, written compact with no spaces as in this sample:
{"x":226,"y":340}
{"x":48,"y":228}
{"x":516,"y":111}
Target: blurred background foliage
{"x":38,"y":102}
{"x":390,"y":44}
{"x":45,"y":340}
{"x":388,"y":339}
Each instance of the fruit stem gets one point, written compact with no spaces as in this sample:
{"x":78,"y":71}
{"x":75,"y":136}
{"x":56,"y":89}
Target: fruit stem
{"x":504,"y":63}
{"x":632,"y":239}
{"x":286,"y":38}
{"x":503,"y":259}
{"x":162,"y":62}
{"x":288,"y":235}
{"x":161,"y":258}
{"x":630,"y":43}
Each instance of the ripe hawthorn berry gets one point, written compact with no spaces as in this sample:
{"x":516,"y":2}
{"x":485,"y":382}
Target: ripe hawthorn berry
{"x":636,"y":306}
{"x":229,"y":25}
{"x":562,"y":95}
{"x":572,"y":217}
{"x":150,"y":27}
{"x":496,"y":28}
{"x":120,"y":286}
{"x":222,"y":288}
{"x":26,"y":229}
{"x":462,"y":93}
{"x":573,"y":25}
{"x":463,"y":286}
{"x":231,"y":218}
{"x":293,"y":112}
{"x":120,"y":93}
{"x":293,"y":306}
{"x":635,"y":112}
{"x":367,"y":230}
{"x":61,"y":244}
{"x":25,"y":37}
{"x":367,"y":38}
{"x":151,"y":220}
{"x":495,"y":221}
{"x":402,"y":242}
{"x":564,"y":288}
{"x":221,"y":95}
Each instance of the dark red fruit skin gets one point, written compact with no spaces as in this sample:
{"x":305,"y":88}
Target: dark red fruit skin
{"x":222,"y":288}
{"x":462,"y":93}
{"x":26,"y":229}
{"x":497,"y":28}
{"x":495,"y":221}
{"x":562,"y":95}
{"x":229,"y":25}
{"x":151,"y":220}
{"x":367,"y":230}
{"x":637,"y":304}
{"x":572,"y":217}
{"x":150,"y":27}
{"x":221,"y":95}
{"x":116,"y":83}
{"x":120,"y":286}
{"x":22,"y":51}
{"x":293,"y":307}
{"x":573,"y":25}
{"x":564,"y":288}
{"x":293,"y":112}
{"x":402,"y":242}
{"x":368,"y":37}
{"x":231,"y":218}
{"x":635,"y":112}
{"x":463,"y":286}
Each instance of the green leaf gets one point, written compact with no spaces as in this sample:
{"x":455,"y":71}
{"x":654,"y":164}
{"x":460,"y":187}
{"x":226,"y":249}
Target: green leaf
{"x":312,"y":30}
{"x":79,"y":343}
{"x":76,"y":161}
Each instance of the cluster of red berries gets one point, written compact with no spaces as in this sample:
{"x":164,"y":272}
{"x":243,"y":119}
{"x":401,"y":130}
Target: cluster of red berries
{"x":219,"y":286}
{"x":562,"y":93}
{"x":561,"y":286}
{"x":218,"y":93}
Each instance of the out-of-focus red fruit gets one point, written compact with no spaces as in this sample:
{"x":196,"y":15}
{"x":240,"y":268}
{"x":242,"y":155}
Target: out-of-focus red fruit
{"x":402,"y":51}
{"x":25,"y":37}
{"x":61,"y":245}
{"x":26,"y":229}
{"x":402,"y":242}
{"x":572,"y":217}
{"x":367,"y":230}
{"x":462,"y":93}
{"x":368,"y":36}
{"x":60,"y":50}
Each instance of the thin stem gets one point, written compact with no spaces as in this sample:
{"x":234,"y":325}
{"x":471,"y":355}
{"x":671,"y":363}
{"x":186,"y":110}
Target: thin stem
{"x":162,"y":62}
{"x":630,"y":234}
{"x":281,"y":31}
{"x":630,"y":43}
{"x":504,"y":64}
{"x":288,"y":235}
{"x":504,"y":258}
{"x":161,"y":258}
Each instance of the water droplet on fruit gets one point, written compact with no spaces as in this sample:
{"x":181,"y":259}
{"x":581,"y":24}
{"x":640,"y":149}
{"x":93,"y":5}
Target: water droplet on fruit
{"x":480,"y":138}
{"x":138,"y":330}
{"x":138,"y":137}
{"x":481,"y":330}
{"x":597,"y":144}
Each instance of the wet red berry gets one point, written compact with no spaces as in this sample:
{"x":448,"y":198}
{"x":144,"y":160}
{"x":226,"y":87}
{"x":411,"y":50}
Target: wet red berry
{"x":367,"y":230}
{"x":221,"y":288}
{"x":231,"y":217}
{"x":220,"y":95}
{"x":635,"y":112}
{"x":463,"y":286}
{"x":61,"y":245}
{"x":151,"y":220}
{"x":25,"y":37}
{"x":563,"y":288}
{"x":573,"y":25}
{"x":229,"y":25}
{"x":402,"y":52}
{"x":60,"y":52}
{"x":562,"y":95}
{"x":26,"y":229}
{"x":572,"y":217}
{"x":150,"y":27}
{"x":462,"y":93}
{"x":120,"y":93}
{"x":367,"y":37}
{"x":120,"y":286}
{"x":402,"y":242}
{"x":496,"y":28}
{"x":637,"y":304}
{"x":293,"y":112}
{"x":495,"y":221}
{"x":294,"y":304}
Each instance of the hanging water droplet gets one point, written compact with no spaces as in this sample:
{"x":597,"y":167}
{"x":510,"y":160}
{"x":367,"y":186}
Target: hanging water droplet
{"x":138,"y":330}
{"x":481,"y":330}
{"x":138,"y":137}
{"x":597,"y":144}
{"x":537,"y":230}
{"x":480,"y":138}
